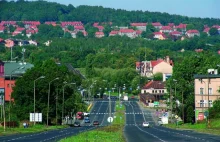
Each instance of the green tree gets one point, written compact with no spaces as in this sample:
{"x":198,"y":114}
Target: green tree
{"x":213,"y":31}
{"x":213,"y":111}
{"x":158,"y":77}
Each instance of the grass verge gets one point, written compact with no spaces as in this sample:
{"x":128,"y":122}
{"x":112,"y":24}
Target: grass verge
{"x":110,"y":133}
{"x":31,"y":129}
{"x":199,"y":127}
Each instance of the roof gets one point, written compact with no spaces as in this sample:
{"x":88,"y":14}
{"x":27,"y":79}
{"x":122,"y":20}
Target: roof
{"x":156,"y":62}
{"x":138,"y":32}
{"x":192,"y":31}
{"x":113,"y":32}
{"x":206,"y":30}
{"x":138,"y":24}
{"x":100,"y":27}
{"x":204,"y":76}
{"x":171,"y":24}
{"x":99,"y":33}
{"x":166,"y":28}
{"x":175,"y":33}
{"x":15,"y":68}
{"x":154,"y":85}
{"x":79,"y":27}
{"x":126,"y":30}
{"x":156,"y":24}
{"x":181,"y":26}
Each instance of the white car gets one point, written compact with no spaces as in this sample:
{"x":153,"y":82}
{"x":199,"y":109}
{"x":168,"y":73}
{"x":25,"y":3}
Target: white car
{"x":146,"y":124}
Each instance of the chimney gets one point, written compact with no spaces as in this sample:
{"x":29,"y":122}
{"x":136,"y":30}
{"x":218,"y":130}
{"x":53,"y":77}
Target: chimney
{"x":167,"y":59}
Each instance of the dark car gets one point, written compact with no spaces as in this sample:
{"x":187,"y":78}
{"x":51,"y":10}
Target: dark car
{"x":86,"y":120}
{"x":95,"y":122}
{"x":76,"y":124}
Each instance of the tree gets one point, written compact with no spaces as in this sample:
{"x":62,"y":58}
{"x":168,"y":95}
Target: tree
{"x":80,"y":35}
{"x":214,"y":111}
{"x":67,"y":35}
{"x":158,"y":77}
{"x":71,"y":28}
{"x":213,"y":31}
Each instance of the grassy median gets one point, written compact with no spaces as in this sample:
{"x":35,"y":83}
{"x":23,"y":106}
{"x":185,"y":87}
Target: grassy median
{"x":110,"y":133}
{"x":199,"y":127}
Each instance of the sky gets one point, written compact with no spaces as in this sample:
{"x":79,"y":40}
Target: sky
{"x":191,"y":8}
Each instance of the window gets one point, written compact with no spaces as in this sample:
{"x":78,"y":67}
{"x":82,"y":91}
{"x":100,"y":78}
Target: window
{"x":210,"y":103}
{"x":144,"y":91}
{"x":155,"y":91}
{"x":210,"y":91}
{"x":201,"y":103}
{"x":201,"y":91}
{"x":162,"y":91}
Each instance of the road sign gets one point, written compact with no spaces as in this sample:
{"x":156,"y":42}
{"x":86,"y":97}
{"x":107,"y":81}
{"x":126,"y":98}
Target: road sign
{"x":110,"y":119}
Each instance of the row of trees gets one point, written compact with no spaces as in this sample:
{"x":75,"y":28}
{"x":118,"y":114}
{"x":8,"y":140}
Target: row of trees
{"x":42,"y":11}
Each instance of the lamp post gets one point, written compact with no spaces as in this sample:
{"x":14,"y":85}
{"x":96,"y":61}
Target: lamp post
{"x":109,"y":103}
{"x":65,"y":84}
{"x":34,"y":94}
{"x":22,"y":67}
{"x":48,"y":103}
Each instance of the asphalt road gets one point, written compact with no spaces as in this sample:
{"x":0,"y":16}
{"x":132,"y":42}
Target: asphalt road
{"x":99,"y":112}
{"x":134,"y":132}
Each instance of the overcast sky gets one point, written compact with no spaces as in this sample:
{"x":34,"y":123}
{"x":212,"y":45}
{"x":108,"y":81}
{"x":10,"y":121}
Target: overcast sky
{"x":192,"y":8}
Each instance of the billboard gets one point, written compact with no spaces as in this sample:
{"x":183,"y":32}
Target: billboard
{"x":2,"y":93}
{"x":37,"y":117}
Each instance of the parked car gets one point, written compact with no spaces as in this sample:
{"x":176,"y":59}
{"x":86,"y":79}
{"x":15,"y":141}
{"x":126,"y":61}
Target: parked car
{"x":76,"y":124}
{"x":95,"y":122}
{"x":87,"y":120}
{"x":146,"y":124}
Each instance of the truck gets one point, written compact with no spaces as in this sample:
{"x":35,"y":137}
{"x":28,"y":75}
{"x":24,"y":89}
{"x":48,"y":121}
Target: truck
{"x":163,"y":120}
{"x":125,"y":98}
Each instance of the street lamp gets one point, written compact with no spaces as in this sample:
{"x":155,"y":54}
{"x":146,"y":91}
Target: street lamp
{"x":48,"y":103}
{"x":22,"y":67}
{"x":34,"y":94}
{"x":65,"y":84}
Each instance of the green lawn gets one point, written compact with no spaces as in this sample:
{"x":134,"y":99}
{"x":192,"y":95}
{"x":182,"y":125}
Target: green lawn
{"x":112,"y":133}
{"x":200,"y":127}
{"x":31,"y":129}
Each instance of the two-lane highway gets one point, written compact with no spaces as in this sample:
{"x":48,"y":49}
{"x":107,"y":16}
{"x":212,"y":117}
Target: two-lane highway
{"x":99,"y":112}
{"x":135,"y":132}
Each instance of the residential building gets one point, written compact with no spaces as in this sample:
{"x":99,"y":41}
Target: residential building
{"x":181,"y":27}
{"x":9,"y":71}
{"x":113,"y":33}
{"x":192,"y":33}
{"x":99,"y":34}
{"x":176,"y":33}
{"x":207,"y":87}
{"x":206,"y":30}
{"x":2,"y":29}
{"x":149,"y":68}
{"x":159,"y":35}
{"x":127,"y":32}
{"x":153,"y":91}
{"x":9,"y":43}
{"x":166,"y":29}
{"x":139,"y":26}
{"x":79,"y":28}
{"x":100,"y":28}
{"x":157,"y":25}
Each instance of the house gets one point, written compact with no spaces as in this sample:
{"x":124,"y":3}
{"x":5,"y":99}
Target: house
{"x":51,"y":23}
{"x":2,"y":28}
{"x":192,"y":33}
{"x":7,"y":23}
{"x":139,"y":26}
{"x":155,"y":88}
{"x":47,"y":43}
{"x":12,"y":70}
{"x":79,"y":28}
{"x":138,"y":33}
{"x":159,"y":35}
{"x":9,"y":43}
{"x":95,"y":24}
{"x":29,"y":33}
{"x":206,"y":92}
{"x":149,"y":68}
{"x":17,"y":31}
{"x":171,"y":25}
{"x":113,"y":33}
{"x":127,"y":32}
{"x":71,"y":23}
{"x":100,"y":28}
{"x":157,"y":25}
{"x":32,"y":42}
{"x":181,"y":27}
{"x":166,"y":29}
{"x":206,"y":30}
{"x":198,"y":50}
{"x":99,"y":34}
{"x":175,"y":33}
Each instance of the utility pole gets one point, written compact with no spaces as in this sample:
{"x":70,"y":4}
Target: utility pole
{"x":171,"y":107}
{"x":4,"y":110}
{"x":182,"y":107}
{"x":208,"y":104}
{"x":109,"y":103}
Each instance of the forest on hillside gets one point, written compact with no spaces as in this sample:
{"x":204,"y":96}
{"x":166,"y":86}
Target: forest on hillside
{"x":42,"y":11}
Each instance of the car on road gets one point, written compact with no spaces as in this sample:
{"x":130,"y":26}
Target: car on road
{"x":86,"y":120}
{"x":95,"y":123}
{"x":146,"y":124}
{"x":76,"y":124}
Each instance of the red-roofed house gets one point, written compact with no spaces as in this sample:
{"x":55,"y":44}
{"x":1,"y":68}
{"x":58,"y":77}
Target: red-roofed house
{"x":181,"y":27}
{"x":166,"y":29}
{"x":99,"y":34}
{"x":157,"y":25}
{"x":149,"y":68}
{"x":176,"y":33}
{"x":51,"y":23}
{"x":95,"y":24}
{"x":192,"y":33}
{"x":2,"y":29}
{"x":18,"y":31}
{"x":30,"y":32}
{"x":127,"y":32}
{"x":7,"y":23}
{"x":206,"y":30}
{"x":113,"y":33}
{"x":171,"y":25}
{"x":155,"y":88}
{"x":159,"y":35}
{"x":139,"y":26}
{"x":79,"y":28}
{"x":138,"y":32}
{"x":101,"y":28}
{"x":74,"y":23}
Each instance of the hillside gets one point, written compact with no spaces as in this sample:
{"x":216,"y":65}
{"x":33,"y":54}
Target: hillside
{"x":50,"y":11}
